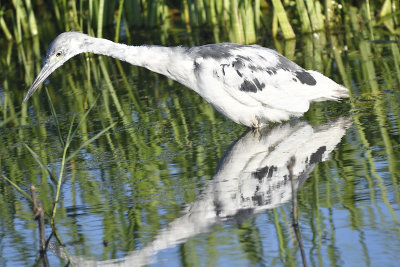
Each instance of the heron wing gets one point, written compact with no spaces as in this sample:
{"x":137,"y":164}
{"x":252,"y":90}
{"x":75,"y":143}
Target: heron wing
{"x":253,"y":75}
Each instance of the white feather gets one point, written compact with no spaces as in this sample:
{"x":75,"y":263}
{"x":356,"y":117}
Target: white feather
{"x":251,"y":85}
{"x":254,"y":85}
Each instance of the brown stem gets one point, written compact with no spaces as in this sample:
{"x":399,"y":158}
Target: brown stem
{"x":39,"y":216}
{"x":295,"y":223}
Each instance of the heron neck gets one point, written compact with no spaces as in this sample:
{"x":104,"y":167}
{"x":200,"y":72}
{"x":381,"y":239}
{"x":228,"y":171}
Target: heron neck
{"x":169,"y":61}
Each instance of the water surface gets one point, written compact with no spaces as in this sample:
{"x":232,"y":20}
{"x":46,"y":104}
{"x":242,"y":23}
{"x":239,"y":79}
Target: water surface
{"x":174,"y":183}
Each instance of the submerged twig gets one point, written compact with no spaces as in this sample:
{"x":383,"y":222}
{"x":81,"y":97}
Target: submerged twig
{"x":39,"y":216}
{"x":295,"y":223}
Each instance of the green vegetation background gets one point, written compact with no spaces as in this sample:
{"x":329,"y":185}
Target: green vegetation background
{"x":141,"y":123}
{"x":240,"y":19}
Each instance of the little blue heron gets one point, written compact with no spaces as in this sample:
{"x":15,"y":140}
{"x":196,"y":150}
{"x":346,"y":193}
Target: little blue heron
{"x":249,"y":84}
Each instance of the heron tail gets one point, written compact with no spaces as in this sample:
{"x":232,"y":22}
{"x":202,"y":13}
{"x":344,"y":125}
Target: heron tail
{"x":328,"y":89}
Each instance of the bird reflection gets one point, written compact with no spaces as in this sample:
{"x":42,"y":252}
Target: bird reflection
{"x":252,"y":177}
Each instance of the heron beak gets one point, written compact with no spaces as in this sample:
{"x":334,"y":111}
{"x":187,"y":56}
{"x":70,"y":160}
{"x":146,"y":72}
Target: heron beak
{"x":43,"y":74}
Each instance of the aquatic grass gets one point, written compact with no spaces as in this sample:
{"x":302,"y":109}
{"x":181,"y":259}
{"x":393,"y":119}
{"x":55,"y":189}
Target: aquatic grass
{"x":303,"y":15}
{"x":39,"y":215}
{"x":40,"y":162}
{"x":329,"y":13}
{"x":60,"y":176}
{"x":91,"y":140}
{"x":247,"y":13}
{"x":126,"y":119}
{"x":66,"y":147}
{"x":73,"y":14}
{"x":315,"y":14}
{"x":17,"y":28}
{"x":100,"y":19}
{"x":369,"y":74}
{"x":53,"y":112}
{"x":4,"y":27}
{"x":57,"y":12}
{"x":317,"y":226}
{"x":236,"y":22}
{"x":7,"y":119}
{"x":295,"y":215}
{"x":389,"y":17}
{"x":33,"y":28}
{"x":239,"y":19}
{"x":285,"y":253}
{"x":283,"y":19}
{"x":19,"y":189}
{"x":369,"y":18}
{"x":135,"y":197}
{"x":118,"y":20}
{"x":257,"y":14}
{"x":65,"y":159}
{"x":380,"y":112}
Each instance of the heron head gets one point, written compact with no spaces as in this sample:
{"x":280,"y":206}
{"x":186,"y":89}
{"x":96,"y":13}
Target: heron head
{"x":63,"y":47}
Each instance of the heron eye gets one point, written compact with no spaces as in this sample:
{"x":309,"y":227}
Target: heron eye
{"x":58,"y":54}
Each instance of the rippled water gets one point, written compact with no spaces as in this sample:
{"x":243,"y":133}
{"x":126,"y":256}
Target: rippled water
{"x":174,"y":183}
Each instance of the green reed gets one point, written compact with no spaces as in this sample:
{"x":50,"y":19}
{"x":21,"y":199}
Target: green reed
{"x":283,"y":19}
{"x":67,"y":156}
{"x":149,"y":111}
{"x":239,"y":19}
{"x":4,"y":27}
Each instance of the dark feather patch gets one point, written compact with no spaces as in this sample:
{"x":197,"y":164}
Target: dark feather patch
{"x":266,"y":171}
{"x":305,"y":77}
{"x":259,"y":85}
{"x":238,"y":64}
{"x":244,"y":58}
{"x":286,"y":64}
{"x":248,"y":87}
{"x":216,"y":51}
{"x":196,"y":66}
{"x":317,"y":156}
{"x":255,"y":68}
{"x":223,"y":68}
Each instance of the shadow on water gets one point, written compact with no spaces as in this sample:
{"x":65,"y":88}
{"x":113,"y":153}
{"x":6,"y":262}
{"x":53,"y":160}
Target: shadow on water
{"x":251,"y":177}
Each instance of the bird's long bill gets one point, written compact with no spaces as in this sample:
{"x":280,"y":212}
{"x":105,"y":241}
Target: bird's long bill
{"x":43,"y":74}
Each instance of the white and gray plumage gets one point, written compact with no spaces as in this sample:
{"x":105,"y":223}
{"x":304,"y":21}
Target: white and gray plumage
{"x":249,"y":84}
